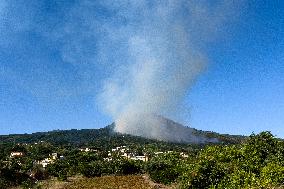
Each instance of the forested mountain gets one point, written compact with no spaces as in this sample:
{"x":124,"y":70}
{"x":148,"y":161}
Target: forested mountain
{"x":108,"y":137}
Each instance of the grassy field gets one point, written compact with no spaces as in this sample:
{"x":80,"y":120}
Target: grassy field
{"x":105,"y":182}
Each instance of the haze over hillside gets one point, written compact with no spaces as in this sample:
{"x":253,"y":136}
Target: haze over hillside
{"x":161,"y":128}
{"x":107,"y":136}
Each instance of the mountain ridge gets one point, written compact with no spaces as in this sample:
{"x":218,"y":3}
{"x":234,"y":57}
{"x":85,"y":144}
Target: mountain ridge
{"x":107,"y":134}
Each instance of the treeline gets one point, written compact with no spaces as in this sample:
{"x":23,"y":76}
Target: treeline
{"x":102,"y":137}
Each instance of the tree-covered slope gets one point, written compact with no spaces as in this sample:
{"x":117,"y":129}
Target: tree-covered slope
{"x":105,"y":137}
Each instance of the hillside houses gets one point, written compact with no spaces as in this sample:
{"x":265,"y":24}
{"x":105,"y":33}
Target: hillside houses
{"x":87,"y":150}
{"x":116,"y":152}
{"x":16,"y":154}
{"x":141,"y":158}
{"x":45,"y":162}
{"x":124,"y":152}
{"x":49,"y":160}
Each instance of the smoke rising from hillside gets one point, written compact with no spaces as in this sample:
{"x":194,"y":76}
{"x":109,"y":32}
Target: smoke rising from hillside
{"x":165,"y":42}
{"x":139,"y":58}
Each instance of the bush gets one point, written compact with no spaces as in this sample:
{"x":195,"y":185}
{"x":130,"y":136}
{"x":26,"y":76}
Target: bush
{"x":125,"y":167}
{"x":240,"y":179}
{"x":39,"y":173}
{"x":27,"y":184}
{"x":59,"y":169}
{"x":165,"y":169}
{"x":114,"y":167}
{"x":93,"y":169}
{"x":272,"y":174}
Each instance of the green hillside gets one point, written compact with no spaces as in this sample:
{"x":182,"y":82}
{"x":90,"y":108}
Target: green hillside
{"x":105,"y":137}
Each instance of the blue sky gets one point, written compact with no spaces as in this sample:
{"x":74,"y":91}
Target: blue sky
{"x":55,"y":57}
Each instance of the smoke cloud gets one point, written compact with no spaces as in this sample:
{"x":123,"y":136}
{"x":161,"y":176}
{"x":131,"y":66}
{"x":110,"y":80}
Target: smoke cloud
{"x":165,"y":50}
{"x":139,"y":58}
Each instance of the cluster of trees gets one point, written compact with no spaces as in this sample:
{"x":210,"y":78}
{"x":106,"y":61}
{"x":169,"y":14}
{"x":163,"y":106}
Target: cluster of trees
{"x":94,"y":167}
{"x":22,"y":170}
{"x":257,"y":163}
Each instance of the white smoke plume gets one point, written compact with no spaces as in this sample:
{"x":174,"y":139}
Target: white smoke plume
{"x":139,"y":57}
{"x":165,"y":44}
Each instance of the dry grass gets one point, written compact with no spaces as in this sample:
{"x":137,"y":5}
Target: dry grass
{"x":105,"y":182}
{"x":110,"y":182}
{"x":53,"y":184}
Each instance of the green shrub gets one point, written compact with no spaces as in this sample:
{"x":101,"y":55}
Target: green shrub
{"x":27,"y":184}
{"x":93,"y":169}
{"x":59,"y":169}
{"x":165,"y":169}
{"x":240,"y":179}
{"x":113,"y":167}
{"x":272,"y":174}
{"x":258,"y":163}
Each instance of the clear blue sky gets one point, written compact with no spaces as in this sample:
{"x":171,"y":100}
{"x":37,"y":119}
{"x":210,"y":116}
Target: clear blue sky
{"x":51,"y":69}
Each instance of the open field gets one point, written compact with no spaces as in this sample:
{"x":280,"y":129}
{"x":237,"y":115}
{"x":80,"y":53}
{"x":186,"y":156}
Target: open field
{"x":105,"y":182}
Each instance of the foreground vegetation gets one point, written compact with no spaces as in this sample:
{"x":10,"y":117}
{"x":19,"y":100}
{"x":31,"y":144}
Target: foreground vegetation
{"x":257,"y":162}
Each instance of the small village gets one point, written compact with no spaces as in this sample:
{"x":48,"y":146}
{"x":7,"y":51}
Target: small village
{"x":119,"y":151}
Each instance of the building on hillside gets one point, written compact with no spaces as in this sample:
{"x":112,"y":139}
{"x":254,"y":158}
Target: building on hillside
{"x":16,"y":154}
{"x":141,"y":158}
{"x":87,"y":150}
{"x":46,"y":162}
{"x":108,"y":159}
{"x":54,"y":156}
{"x":183,"y":155}
{"x":157,"y":153}
{"x":126,"y":155}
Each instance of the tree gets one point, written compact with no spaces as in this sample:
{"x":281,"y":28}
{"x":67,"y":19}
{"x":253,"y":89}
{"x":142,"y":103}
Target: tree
{"x":165,"y":168}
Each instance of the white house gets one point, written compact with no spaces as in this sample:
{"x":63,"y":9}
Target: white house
{"x":16,"y":154}
{"x":46,"y":162}
{"x":142,"y":158}
{"x":183,"y":155}
{"x":54,"y":156}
